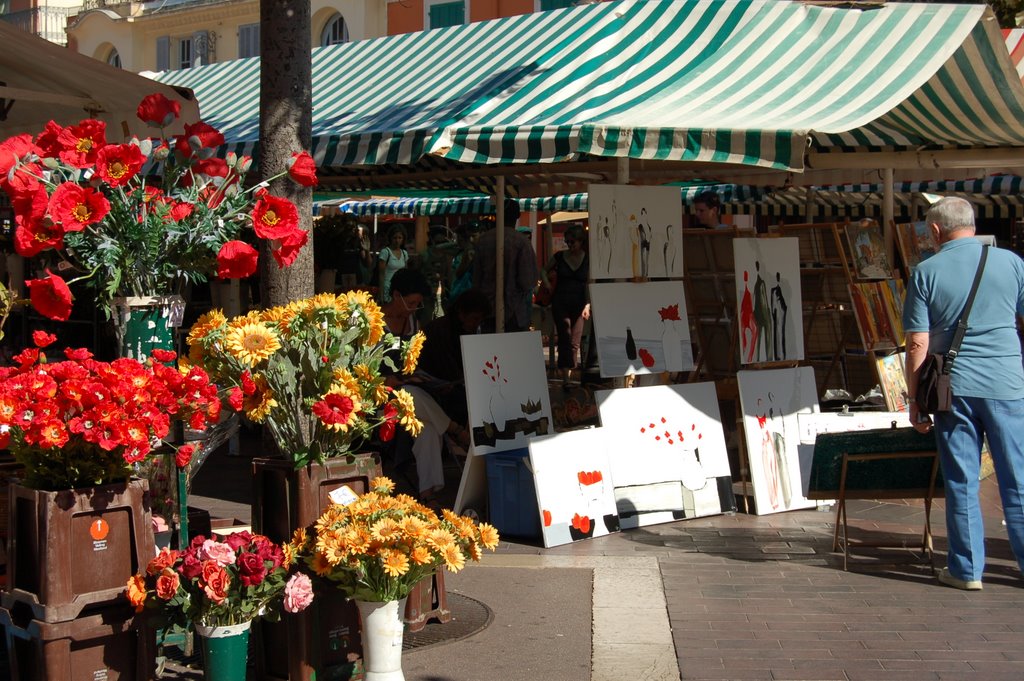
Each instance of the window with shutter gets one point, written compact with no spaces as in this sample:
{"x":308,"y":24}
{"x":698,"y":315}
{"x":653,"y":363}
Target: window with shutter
{"x":248,"y":41}
{"x":163,"y":53}
{"x":185,"y":53}
{"x":447,"y":14}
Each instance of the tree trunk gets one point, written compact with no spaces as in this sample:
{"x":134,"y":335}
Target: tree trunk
{"x":286,"y":105}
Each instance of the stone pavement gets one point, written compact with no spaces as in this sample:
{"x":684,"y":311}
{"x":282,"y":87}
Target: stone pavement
{"x":729,"y":597}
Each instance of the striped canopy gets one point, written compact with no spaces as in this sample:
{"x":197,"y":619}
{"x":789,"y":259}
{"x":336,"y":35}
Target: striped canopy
{"x":732,"y":81}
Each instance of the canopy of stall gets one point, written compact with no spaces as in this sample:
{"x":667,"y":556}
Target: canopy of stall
{"x":702,"y":81}
{"x":41,"y":81}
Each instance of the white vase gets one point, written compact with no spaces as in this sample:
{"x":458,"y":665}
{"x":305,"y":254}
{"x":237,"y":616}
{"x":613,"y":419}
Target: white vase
{"x":672,"y":346}
{"x":382,"y":630}
{"x":498,"y":409}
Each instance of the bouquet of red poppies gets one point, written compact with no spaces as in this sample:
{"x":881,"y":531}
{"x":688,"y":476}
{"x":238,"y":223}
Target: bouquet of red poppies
{"x":80,"y":422}
{"x":220,"y":583}
{"x":142,"y":217}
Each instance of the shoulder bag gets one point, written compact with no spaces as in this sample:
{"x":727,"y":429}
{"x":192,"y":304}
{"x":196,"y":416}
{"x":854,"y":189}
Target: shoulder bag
{"x":934,"y":390}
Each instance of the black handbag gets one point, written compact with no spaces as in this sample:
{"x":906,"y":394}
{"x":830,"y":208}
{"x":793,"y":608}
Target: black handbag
{"x":934,"y":388}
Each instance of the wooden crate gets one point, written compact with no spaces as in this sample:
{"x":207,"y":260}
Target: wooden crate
{"x":112,"y":645}
{"x":74,"y":550}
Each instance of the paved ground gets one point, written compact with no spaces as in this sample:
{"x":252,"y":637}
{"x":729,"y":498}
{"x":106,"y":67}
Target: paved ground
{"x":728,"y":597}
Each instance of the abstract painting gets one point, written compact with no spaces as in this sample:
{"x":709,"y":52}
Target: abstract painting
{"x":768,"y":299}
{"x":892,"y":378}
{"x":916,"y":242}
{"x":641,"y":328}
{"x":635,"y":232}
{"x":506,"y":390}
{"x":667,"y":451}
{"x":868,"y":248}
{"x":779,"y":467}
{"x":878,"y":307}
{"x":572,"y":475}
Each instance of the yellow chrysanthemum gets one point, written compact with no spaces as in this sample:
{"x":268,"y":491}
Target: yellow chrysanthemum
{"x":251,"y":343}
{"x":336,"y":554}
{"x":205,"y":325}
{"x":440,"y":539}
{"x":476,"y":553}
{"x":394,"y":563}
{"x":299,"y":537}
{"x":343,"y":378}
{"x":322,"y":303}
{"x":290,"y":552}
{"x":386,"y":530}
{"x":453,"y":558}
{"x":258,"y":405}
{"x":412,"y":352}
{"x":488,"y":536}
{"x":382,"y":484}
{"x":413,"y":526}
{"x":421,"y":555}
{"x":360,"y":308}
{"x":318,"y":563}
{"x":407,"y":412}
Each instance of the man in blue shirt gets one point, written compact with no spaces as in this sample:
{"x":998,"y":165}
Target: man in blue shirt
{"x":987,"y":381}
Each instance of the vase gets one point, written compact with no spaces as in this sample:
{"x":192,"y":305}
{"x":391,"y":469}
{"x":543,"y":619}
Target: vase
{"x":382,"y":630}
{"x":498,"y":409}
{"x":672,"y":346}
{"x":144,"y":323}
{"x":225,"y":651}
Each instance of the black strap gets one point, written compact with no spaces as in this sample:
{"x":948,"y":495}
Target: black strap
{"x":961,"y":326}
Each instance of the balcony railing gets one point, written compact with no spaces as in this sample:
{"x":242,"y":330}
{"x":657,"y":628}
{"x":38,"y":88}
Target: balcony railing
{"x":46,"y":22}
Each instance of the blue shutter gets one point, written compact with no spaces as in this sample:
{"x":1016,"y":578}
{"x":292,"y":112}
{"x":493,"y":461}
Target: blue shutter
{"x":248,"y":41}
{"x":447,"y":14}
{"x":163,"y":53}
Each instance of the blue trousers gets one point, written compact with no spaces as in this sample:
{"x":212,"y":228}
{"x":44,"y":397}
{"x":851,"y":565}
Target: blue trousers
{"x":959,"y":434}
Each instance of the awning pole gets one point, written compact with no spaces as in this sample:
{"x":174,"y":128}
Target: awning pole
{"x":622,"y":170}
{"x":499,"y":256}
{"x":888,"y":211}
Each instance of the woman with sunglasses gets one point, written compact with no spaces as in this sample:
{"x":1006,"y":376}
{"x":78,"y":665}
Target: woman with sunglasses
{"x":569,"y":306}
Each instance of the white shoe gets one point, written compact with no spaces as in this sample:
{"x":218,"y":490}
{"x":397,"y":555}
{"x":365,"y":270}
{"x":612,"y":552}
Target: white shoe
{"x":966,"y":585}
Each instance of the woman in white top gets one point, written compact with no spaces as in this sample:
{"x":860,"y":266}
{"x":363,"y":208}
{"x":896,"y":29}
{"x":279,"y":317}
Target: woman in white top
{"x":392,"y":258}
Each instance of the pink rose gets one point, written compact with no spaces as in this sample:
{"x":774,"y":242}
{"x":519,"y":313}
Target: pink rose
{"x":222,"y":554}
{"x":298,"y":593}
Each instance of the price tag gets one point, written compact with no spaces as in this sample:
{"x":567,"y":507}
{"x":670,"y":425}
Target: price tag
{"x":342,"y":495}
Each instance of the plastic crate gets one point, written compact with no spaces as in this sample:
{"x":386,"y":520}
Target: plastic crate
{"x":512,"y":494}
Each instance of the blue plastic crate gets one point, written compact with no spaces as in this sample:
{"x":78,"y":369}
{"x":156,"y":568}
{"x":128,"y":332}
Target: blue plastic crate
{"x":512,"y":495}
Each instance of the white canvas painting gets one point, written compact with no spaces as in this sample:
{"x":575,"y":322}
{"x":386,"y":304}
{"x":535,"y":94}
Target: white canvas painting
{"x":506,"y":389}
{"x":667,"y":451}
{"x":768,"y":301}
{"x":635,"y":232}
{"x":572,"y":475}
{"x":779,"y":467}
{"x":641,"y":328}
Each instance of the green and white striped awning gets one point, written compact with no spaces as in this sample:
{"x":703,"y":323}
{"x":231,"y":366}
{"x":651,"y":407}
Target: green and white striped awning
{"x":729,"y":81}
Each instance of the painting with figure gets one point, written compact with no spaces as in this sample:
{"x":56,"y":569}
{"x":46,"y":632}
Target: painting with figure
{"x":768,"y":300}
{"x":635,"y":232}
{"x":867,"y":245}
{"x":667,"y":451}
{"x":506,"y":390}
{"x":916,"y":243}
{"x":893,"y":380}
{"x":572,"y":475}
{"x":779,"y":466}
{"x":641,"y":328}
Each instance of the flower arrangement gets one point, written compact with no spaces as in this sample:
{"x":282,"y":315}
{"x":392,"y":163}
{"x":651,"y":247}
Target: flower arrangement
{"x":215,"y":584}
{"x":377,"y":547}
{"x":91,"y":202}
{"x":80,"y":422}
{"x":312,"y":371}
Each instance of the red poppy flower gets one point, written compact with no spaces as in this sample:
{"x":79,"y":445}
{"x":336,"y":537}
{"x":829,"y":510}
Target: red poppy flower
{"x":158,"y":111}
{"x":197,"y":137}
{"x":77,"y":354}
{"x":302,"y":169}
{"x":274,"y":217}
{"x":51,"y":297}
{"x":12,"y":150}
{"x":180,"y":210}
{"x":26,"y":357}
{"x":236,"y":260}
{"x":80,"y":144}
{"x":211,"y":167}
{"x":161,"y":355}
{"x":334,"y":409}
{"x":117,"y":164}
{"x":235,"y":398}
{"x":286,"y":249}
{"x":184,"y":455}
{"x":42,"y":338}
{"x":646,"y":357}
{"x":75,"y":206}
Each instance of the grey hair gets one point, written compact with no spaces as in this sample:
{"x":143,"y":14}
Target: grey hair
{"x":951,"y":214}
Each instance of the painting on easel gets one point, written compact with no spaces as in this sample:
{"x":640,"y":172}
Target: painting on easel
{"x":916,"y":242}
{"x":778,"y":465}
{"x":892,"y":379}
{"x":506,"y":390}
{"x":768,"y":300}
{"x":635,"y":232}
{"x":572,"y":475}
{"x":641,"y":328}
{"x":667,"y":451}
{"x":868,"y":248}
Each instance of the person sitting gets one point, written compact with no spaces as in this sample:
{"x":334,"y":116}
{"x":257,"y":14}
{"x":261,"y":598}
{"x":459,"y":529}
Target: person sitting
{"x":409,"y":288}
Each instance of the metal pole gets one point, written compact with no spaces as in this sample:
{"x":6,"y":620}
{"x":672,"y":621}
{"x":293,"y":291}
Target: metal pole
{"x":888,"y":210}
{"x":499,"y":256}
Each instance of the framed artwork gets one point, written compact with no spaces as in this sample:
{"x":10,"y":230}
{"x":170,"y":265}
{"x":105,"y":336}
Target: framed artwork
{"x":667,"y":452}
{"x":878,"y":307}
{"x":892,"y":379}
{"x":506,"y":390}
{"x":635,"y":232}
{"x":768,"y":299}
{"x":641,"y":328}
{"x":916,"y":243}
{"x":779,"y":466}
{"x":867,"y":245}
{"x":572,"y":475}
